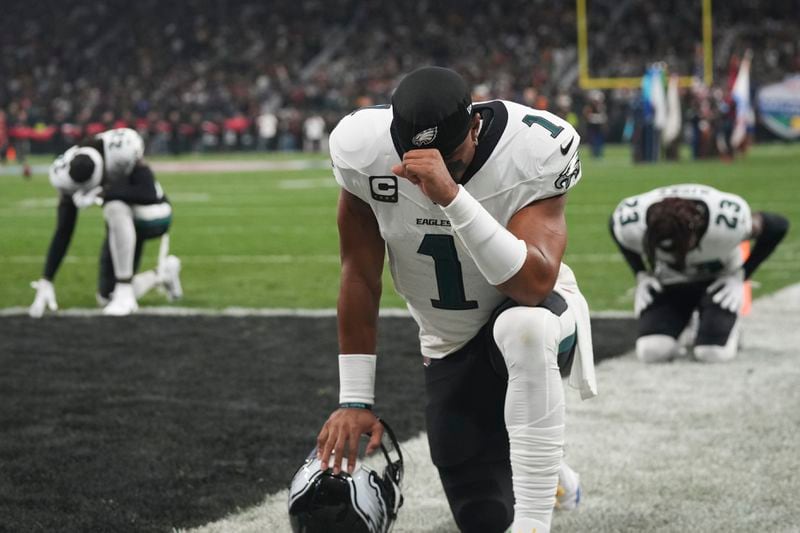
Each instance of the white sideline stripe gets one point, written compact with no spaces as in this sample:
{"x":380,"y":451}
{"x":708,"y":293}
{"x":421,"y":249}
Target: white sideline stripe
{"x":34,"y":203}
{"x":788,"y":261}
{"x":277,"y":258}
{"x":389,"y":312}
{"x":181,"y":197}
{"x":425,"y":509}
{"x":189,"y":197}
{"x":309,"y":183}
{"x":237,"y":165}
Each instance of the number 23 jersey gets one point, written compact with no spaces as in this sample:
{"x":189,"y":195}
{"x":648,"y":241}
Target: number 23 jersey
{"x":523,"y":155}
{"x":729,"y":223}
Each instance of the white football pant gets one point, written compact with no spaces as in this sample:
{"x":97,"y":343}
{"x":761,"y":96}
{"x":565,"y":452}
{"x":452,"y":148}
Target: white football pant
{"x":528,"y":338}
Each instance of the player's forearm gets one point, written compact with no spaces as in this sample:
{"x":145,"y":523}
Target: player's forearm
{"x":522,"y":260}
{"x":773,"y":229}
{"x":357,"y":312}
{"x":67,"y":216}
{"x":535,"y":280}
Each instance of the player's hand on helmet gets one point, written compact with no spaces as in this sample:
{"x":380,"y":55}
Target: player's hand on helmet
{"x":728,"y":291}
{"x":646,"y":285}
{"x":45,"y":298}
{"x":341,"y":434}
{"x":83,"y":199}
{"x":425,"y":168}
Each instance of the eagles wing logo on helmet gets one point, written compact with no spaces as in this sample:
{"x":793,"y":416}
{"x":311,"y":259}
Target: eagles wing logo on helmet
{"x":365,"y":502}
{"x":425,"y":137}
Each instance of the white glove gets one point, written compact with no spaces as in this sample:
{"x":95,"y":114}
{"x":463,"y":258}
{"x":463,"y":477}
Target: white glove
{"x":728,"y":291}
{"x":45,"y":297}
{"x":646,"y":284}
{"x":83,"y":199}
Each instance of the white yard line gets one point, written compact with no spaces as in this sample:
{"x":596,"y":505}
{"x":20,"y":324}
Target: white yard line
{"x":250,"y":312}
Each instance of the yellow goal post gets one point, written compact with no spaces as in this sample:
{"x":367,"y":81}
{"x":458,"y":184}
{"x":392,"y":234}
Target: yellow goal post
{"x":586,"y":81}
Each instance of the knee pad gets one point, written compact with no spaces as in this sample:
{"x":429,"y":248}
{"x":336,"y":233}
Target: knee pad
{"x":528,"y":338}
{"x":121,"y":237}
{"x":656,"y":348}
{"x":116,"y":210}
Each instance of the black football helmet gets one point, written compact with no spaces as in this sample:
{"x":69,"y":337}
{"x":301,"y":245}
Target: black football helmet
{"x":362,"y":502}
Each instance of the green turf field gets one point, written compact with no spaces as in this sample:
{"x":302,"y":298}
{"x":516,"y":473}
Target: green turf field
{"x":268,"y":238}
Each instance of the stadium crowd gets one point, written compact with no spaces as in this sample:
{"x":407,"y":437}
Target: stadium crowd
{"x":210,"y":74}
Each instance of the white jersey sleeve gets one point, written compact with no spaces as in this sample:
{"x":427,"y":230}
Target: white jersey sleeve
{"x":629,"y":224}
{"x":545,"y":154}
{"x":354,"y":149}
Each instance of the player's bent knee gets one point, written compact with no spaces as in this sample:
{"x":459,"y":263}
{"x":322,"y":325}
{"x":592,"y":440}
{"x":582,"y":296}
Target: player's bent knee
{"x":116,"y":210}
{"x":521,"y":332}
{"x":656,"y":348}
{"x":715,"y":354}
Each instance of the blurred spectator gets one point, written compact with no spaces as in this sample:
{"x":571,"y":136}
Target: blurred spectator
{"x":3,"y":137}
{"x":177,"y":71}
{"x":564,"y":109}
{"x":596,"y":119}
{"x":313,"y":132}
{"x":267,"y":124}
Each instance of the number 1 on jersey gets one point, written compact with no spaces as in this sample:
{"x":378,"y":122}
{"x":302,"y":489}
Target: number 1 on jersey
{"x":449,"y":278}
{"x":554,"y":130}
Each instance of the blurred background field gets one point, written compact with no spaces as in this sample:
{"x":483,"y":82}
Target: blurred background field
{"x":268,"y":238}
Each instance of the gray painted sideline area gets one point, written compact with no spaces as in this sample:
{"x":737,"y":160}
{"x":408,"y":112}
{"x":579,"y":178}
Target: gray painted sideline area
{"x":613,"y":332}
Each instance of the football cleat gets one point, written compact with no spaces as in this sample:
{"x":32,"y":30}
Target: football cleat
{"x":528,"y":525}
{"x":123,"y":301}
{"x":568,"y":493}
{"x":170,"y":275}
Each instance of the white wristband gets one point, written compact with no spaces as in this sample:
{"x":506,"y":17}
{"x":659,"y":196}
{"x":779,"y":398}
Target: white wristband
{"x":357,"y":378}
{"x":497,"y":252}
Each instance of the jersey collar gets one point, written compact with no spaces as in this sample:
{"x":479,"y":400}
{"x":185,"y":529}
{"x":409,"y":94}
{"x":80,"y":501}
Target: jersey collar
{"x":495,"y":118}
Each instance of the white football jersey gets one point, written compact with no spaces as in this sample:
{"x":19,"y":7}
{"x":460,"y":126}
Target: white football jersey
{"x":729,"y":223}
{"x":523,"y":155}
{"x":123,"y":148}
